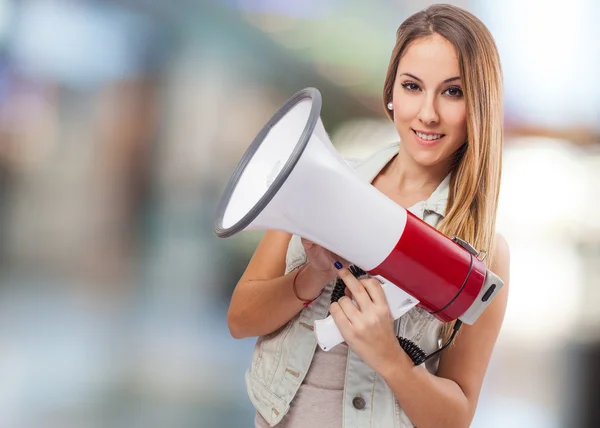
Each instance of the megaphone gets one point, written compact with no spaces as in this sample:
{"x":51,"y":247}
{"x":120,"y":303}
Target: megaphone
{"x":292,"y":178}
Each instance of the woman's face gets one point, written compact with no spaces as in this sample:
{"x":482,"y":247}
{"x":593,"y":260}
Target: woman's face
{"x":428,"y":103}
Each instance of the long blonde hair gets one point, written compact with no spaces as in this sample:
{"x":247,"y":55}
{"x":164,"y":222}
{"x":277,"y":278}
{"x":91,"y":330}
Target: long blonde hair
{"x":475,"y":179}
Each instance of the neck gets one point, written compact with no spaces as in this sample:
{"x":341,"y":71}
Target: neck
{"x":410,"y":178}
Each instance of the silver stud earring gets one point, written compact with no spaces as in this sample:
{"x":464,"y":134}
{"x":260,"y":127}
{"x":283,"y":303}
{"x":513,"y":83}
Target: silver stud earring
{"x":390,"y":106}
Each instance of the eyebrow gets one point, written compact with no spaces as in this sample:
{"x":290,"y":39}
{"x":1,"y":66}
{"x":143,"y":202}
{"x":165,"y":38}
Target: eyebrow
{"x":416,"y":78}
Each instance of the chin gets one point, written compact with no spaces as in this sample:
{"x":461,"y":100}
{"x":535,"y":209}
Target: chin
{"x":427,"y":159}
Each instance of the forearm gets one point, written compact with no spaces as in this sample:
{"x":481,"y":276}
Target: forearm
{"x":260,"y":307}
{"x":428,"y":400}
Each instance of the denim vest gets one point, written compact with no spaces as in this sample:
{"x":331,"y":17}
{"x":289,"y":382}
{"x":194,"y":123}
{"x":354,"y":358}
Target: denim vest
{"x":281,"y":359}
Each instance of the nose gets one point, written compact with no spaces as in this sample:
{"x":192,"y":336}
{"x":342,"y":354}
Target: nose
{"x":428,"y":114}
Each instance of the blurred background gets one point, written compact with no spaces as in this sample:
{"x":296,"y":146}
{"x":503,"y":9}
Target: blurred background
{"x":120,"y":124}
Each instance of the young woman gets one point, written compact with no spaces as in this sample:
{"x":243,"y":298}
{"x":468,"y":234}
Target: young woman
{"x":443,"y":91}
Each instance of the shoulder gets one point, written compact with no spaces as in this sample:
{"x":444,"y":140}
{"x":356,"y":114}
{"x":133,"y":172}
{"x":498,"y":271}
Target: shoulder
{"x":371,"y":155}
{"x":501,"y":261}
{"x":501,"y":244}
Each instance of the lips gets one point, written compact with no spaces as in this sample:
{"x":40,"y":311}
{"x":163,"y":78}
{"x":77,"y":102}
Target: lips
{"x":428,"y":139}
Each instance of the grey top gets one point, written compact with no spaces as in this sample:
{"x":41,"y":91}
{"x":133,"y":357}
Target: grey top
{"x":318,"y":402}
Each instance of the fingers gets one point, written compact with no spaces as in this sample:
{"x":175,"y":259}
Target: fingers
{"x":345,"y":263}
{"x":349,"y":308}
{"x":347,"y":292}
{"x":341,"y":319}
{"x":375,"y":290}
{"x":365,"y":290}
{"x":360,"y":294}
{"x":346,"y":316}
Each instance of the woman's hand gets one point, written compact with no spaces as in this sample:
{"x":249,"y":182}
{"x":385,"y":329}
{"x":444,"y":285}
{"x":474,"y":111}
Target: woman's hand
{"x":320,"y":259}
{"x":369,"y":328}
{"x":320,"y":270}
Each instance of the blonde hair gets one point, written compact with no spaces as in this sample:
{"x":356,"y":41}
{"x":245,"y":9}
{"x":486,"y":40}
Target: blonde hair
{"x":475,"y":179}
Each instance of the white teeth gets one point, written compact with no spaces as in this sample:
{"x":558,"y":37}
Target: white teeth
{"x":429,"y":137}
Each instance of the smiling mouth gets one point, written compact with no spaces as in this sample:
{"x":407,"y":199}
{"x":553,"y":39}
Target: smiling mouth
{"x":428,"y":137}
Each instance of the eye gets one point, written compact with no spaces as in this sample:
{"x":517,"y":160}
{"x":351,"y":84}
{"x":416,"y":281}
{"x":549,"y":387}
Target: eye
{"x":410,"y":86}
{"x":454,"y":91}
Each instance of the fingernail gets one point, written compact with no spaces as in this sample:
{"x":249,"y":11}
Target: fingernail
{"x":338,"y":265}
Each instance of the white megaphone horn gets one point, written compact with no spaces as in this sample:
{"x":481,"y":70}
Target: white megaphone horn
{"x":292,"y":178}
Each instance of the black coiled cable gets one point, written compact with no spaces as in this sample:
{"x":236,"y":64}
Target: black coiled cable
{"x":416,"y":354}
{"x":412,"y":350}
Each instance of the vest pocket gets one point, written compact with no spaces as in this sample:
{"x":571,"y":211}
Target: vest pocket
{"x":270,"y":406}
{"x":269,"y":349}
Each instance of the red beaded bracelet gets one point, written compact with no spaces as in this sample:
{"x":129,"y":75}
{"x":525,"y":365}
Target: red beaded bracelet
{"x":306,"y":302}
